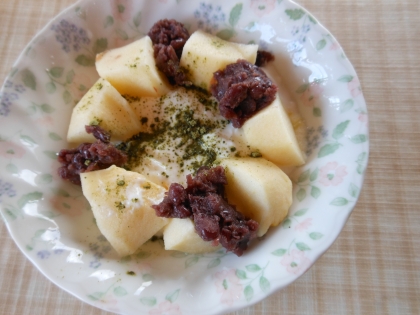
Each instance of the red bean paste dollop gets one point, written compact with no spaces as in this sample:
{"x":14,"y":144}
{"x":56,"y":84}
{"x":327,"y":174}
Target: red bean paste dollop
{"x":89,"y":157}
{"x":263,"y":57}
{"x":204,"y":201}
{"x":242,"y":89}
{"x":168,"y":38}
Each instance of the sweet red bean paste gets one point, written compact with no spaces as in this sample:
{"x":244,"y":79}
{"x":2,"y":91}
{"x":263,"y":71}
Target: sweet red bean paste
{"x":89,"y":157}
{"x":168,"y":38}
{"x":242,"y":89}
{"x":204,"y":202}
{"x":263,"y":57}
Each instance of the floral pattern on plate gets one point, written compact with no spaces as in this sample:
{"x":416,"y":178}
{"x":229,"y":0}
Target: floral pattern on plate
{"x":50,"y":220}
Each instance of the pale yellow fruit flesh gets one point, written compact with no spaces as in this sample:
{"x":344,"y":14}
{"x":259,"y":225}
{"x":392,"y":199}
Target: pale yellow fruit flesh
{"x":204,"y":54}
{"x":121,"y":204}
{"x":259,"y":189}
{"x":102,"y":105}
{"x":132,"y":70}
{"x":271,"y":133}
{"x":291,"y":108}
{"x":180,"y":235}
{"x":299,"y":127}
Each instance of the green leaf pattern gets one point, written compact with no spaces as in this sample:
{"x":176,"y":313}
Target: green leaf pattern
{"x":321,"y":44}
{"x":306,"y":184}
{"x":353,"y":192}
{"x":85,"y":60}
{"x":361,"y":160}
{"x":328,"y":149}
{"x":148,"y":301}
{"x":337,"y":134}
{"x":295,"y":14}
{"x":211,"y":260}
{"x":29,"y":79}
{"x":234,"y":16}
{"x":316,"y":235}
{"x":109,"y":21}
{"x":338,"y":131}
{"x":247,"y":280}
{"x":171,"y":297}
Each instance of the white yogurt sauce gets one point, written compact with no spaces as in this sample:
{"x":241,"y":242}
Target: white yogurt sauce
{"x":188,"y":132}
{"x":164,"y":158}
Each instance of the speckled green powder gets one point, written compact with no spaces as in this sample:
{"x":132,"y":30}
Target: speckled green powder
{"x":180,"y":131}
{"x":176,"y":126}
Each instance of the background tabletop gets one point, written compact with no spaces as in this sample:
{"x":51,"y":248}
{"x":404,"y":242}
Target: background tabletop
{"x":374,"y":266}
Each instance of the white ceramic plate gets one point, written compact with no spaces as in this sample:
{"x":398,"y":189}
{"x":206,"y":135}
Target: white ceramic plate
{"x":51,"y":221}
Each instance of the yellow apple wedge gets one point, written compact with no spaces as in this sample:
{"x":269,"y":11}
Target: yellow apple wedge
{"x":132,"y":70}
{"x":259,"y":189}
{"x":291,"y":108}
{"x":299,"y":127}
{"x":180,"y":235}
{"x":204,"y":54}
{"x":271,"y":133}
{"x":102,"y":105}
{"x":121,"y":203}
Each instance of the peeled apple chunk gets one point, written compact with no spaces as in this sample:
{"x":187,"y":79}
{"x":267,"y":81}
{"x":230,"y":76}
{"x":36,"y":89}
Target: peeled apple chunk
{"x":180,"y":235}
{"x":299,"y":127}
{"x":290,"y":106}
{"x":102,"y":105}
{"x":132,"y":70}
{"x":259,"y":189}
{"x":271,"y":133}
{"x":121,"y":203}
{"x":204,"y":54}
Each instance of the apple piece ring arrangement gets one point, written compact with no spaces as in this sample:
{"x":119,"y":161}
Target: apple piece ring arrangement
{"x":199,"y":139}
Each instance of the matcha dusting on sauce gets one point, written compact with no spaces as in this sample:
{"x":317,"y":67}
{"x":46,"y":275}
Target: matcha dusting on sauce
{"x":185,"y":134}
{"x":181,"y":132}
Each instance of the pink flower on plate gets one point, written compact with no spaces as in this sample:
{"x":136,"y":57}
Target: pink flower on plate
{"x":332,"y":174}
{"x":262,"y":7}
{"x":166,"y":308}
{"x":363,"y":117}
{"x":304,"y":225}
{"x":335,"y":46}
{"x":68,"y":206}
{"x":311,"y":94}
{"x":47,"y":121}
{"x":121,"y":9}
{"x":354,"y":87}
{"x":228,"y":285}
{"x":9,"y":149}
{"x":110,"y":302}
{"x":296,"y":262}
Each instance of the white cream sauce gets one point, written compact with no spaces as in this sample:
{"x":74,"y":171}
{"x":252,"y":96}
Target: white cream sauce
{"x":164,"y":163}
